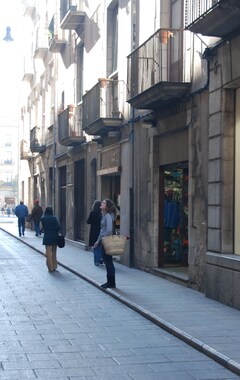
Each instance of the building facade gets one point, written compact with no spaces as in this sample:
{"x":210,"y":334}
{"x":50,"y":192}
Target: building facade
{"x":128,"y":100}
{"x":222,"y":255}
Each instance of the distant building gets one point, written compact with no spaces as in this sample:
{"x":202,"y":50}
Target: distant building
{"x":8,"y":164}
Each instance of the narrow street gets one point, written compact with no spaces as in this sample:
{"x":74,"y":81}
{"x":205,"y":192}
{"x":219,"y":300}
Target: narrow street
{"x":58,"y":326}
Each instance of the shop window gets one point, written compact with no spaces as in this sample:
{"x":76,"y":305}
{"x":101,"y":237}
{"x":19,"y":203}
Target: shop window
{"x":174,"y":212}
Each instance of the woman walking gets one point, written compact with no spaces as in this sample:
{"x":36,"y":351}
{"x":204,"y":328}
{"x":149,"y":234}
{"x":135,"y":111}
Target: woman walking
{"x":109,"y":213}
{"x":51,"y":229}
{"x":94,"y":219}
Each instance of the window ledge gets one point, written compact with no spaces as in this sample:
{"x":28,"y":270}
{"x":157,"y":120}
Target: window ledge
{"x":227,"y":261}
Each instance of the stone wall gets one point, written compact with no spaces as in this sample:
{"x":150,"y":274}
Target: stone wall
{"x":222,"y":266}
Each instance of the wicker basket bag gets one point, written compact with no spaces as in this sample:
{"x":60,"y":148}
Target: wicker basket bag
{"x":114,"y":245}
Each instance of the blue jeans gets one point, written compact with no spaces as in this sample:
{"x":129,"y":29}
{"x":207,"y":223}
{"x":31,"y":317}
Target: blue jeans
{"x":37,"y":228}
{"x":97,"y":255}
{"x":21,"y":225}
{"x":108,"y":261}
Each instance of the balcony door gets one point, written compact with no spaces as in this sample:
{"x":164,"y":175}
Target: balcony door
{"x":112,"y":38}
{"x":176,"y":51}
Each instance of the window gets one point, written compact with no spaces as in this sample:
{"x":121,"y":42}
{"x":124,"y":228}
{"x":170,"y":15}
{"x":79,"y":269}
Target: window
{"x":80,"y":53}
{"x":8,"y":140}
{"x":7,"y":177}
{"x":177,"y":14}
{"x":7,"y":157}
{"x":112,"y":39}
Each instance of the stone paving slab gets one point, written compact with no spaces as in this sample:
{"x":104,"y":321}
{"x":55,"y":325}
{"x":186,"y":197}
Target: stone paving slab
{"x":59,"y":326}
{"x":204,"y":324}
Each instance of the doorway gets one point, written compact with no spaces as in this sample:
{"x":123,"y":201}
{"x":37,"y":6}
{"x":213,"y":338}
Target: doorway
{"x":111,"y":189}
{"x":173,"y":216}
{"x":79,"y":200}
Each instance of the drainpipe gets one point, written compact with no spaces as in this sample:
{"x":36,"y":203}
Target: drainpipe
{"x":131,"y":194}
{"x":134,"y":43}
{"x":55,"y":124}
{"x":54,"y":163}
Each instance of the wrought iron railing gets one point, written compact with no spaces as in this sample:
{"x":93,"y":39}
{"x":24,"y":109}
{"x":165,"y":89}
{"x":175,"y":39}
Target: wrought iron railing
{"x":55,"y":33}
{"x":196,"y":8}
{"x":159,"y":59}
{"x":24,"y":149}
{"x":28,"y":7}
{"x":70,"y":5}
{"x":36,"y":141}
{"x":41,"y":38}
{"x":70,"y":123}
{"x":102,"y":101}
{"x":28,"y":70}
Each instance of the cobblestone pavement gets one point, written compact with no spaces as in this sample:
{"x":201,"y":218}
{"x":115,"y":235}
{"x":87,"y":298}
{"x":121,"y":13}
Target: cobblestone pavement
{"x":59,"y":326}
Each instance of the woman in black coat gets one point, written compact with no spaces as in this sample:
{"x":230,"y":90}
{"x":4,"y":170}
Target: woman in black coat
{"x":51,"y":229}
{"x":94,"y":220}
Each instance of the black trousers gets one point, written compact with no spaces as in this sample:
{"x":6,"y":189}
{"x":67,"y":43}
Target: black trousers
{"x":108,"y":261}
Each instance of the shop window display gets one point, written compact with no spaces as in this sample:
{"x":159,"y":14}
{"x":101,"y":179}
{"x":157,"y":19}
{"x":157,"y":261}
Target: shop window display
{"x":175,"y":239}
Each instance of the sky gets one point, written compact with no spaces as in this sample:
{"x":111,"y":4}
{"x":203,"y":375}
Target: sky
{"x":11,"y":63}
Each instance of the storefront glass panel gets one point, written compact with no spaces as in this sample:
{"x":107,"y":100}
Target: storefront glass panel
{"x":175,"y":216}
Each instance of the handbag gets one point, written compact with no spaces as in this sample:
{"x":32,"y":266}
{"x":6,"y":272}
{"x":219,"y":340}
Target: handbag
{"x":29,"y":218}
{"x":61,"y":241}
{"x":114,"y":245}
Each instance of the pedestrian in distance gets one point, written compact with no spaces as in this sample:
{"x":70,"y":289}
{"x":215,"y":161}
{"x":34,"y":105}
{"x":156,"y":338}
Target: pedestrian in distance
{"x":109,"y":213}
{"x":8,"y":211}
{"x":21,"y":212}
{"x":51,"y":229}
{"x":94,"y":219}
{"x":36,"y":215}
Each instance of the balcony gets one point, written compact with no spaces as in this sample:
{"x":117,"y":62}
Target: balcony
{"x":41,"y":43}
{"x":101,"y":111}
{"x":56,"y":39}
{"x":72,"y":16}
{"x":36,"y":142}
{"x":57,"y":43}
{"x":70,"y":126}
{"x":28,"y":8}
{"x":25,"y":153}
{"x":158,"y":71}
{"x":217,"y":18}
{"x":28,"y":71}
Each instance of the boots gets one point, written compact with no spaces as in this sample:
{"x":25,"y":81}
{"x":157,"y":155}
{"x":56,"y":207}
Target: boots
{"x":110,"y":282}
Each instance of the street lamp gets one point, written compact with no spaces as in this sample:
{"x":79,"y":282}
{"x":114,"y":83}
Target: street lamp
{"x":8,"y":37}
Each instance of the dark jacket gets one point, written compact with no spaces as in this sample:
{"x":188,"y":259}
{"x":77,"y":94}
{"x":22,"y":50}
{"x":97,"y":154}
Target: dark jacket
{"x":36,"y":214}
{"x":51,"y":229}
{"x":21,"y":211}
{"x":94,"y":220}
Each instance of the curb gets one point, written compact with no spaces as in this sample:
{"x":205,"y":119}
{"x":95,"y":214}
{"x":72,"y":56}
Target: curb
{"x":200,"y":346}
